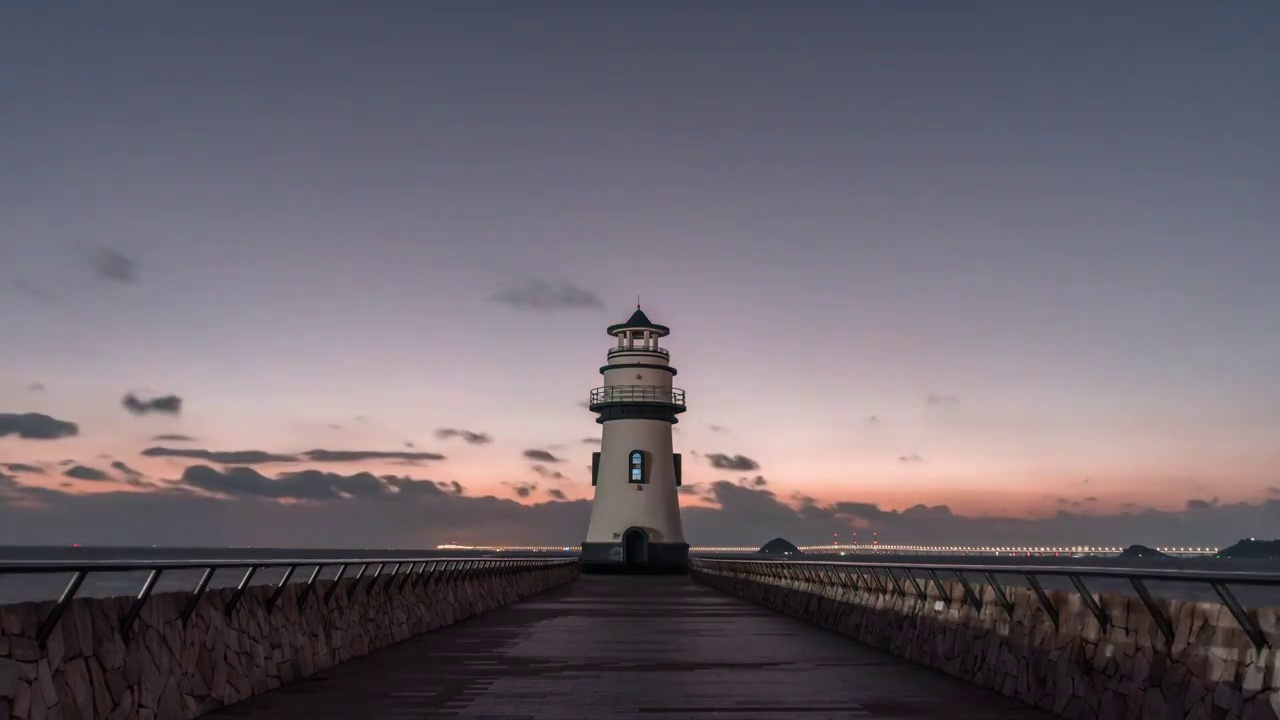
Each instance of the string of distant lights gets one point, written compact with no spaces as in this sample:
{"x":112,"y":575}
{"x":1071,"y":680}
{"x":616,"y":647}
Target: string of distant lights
{"x":873,"y":548}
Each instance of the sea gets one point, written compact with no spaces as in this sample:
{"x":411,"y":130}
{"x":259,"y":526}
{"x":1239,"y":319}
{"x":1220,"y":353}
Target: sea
{"x":24,"y":587}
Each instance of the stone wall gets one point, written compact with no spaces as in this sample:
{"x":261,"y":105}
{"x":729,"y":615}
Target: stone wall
{"x":167,"y":671}
{"x":1075,"y":670}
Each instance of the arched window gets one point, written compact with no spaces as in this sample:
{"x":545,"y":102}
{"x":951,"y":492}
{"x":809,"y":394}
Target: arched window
{"x":637,"y":466}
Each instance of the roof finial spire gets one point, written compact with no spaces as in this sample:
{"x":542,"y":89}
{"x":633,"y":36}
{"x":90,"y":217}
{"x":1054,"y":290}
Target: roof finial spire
{"x":637,"y":302}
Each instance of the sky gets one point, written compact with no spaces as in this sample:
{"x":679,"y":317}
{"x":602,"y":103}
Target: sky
{"x":951,"y":272}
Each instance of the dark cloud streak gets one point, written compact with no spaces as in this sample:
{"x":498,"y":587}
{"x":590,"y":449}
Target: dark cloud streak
{"x":543,"y":296}
{"x":36,"y":426}
{"x":164,"y":404}
{"x":720,"y":461}
{"x":84,"y":472}
{"x":473,"y":438}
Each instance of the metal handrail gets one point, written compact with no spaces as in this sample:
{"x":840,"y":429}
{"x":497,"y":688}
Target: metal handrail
{"x":660,"y":351}
{"x":850,"y":575}
{"x":637,"y":393}
{"x":416,"y":570}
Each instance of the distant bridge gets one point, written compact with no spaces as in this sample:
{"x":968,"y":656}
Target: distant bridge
{"x":878,"y":548}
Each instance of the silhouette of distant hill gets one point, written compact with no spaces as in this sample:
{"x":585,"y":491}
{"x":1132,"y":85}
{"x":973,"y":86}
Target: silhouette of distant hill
{"x":1142,"y":551}
{"x":1251,"y":548}
{"x":778,"y":546}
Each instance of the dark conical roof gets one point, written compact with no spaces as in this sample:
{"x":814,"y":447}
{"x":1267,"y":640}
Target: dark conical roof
{"x":639,"y":321}
{"x":780,"y":547}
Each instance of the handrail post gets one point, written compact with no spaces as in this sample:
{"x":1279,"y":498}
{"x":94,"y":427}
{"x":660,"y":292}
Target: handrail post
{"x":392,"y":575}
{"x":969,"y":594}
{"x":240,"y":589}
{"x":1246,"y":623}
{"x":1157,"y":615}
{"x":1047,"y":604}
{"x":284,"y":581}
{"x":408,"y":575}
{"x":920,"y":592}
{"x":311,"y":583}
{"x":136,"y":608}
{"x":355,"y":581}
{"x":55,"y":612}
{"x":998,"y":589}
{"x":1089,"y":602}
{"x":897,"y":589}
{"x":194,"y":600}
{"x":342,"y":569}
{"x":942,"y":589}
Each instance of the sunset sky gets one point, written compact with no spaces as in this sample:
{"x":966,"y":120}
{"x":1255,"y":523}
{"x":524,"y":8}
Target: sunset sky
{"x":1003,"y":260}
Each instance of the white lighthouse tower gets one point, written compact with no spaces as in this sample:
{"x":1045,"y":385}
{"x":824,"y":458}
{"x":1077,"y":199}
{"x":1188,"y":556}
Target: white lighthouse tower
{"x":635,"y":518}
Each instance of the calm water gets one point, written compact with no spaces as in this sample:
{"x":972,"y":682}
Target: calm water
{"x":17,"y":588}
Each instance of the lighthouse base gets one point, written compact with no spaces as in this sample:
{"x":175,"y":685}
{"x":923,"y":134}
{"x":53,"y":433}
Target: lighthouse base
{"x":656,"y":559}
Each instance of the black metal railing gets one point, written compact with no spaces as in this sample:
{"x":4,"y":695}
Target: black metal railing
{"x":403,"y":571}
{"x":638,"y":348}
{"x":637,"y":393}
{"x":868,"y":576}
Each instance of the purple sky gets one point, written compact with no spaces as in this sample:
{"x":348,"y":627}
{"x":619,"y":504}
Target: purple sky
{"x":1036,"y":242}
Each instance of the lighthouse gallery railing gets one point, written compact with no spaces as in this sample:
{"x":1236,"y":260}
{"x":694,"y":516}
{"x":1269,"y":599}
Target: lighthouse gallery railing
{"x":637,"y":393}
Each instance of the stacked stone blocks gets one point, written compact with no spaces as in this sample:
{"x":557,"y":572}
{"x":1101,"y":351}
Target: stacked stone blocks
{"x":168,"y":671}
{"x":1074,"y":670}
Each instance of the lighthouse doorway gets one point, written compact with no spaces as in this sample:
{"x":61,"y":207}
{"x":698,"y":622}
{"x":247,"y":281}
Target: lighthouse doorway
{"x":635,"y":547}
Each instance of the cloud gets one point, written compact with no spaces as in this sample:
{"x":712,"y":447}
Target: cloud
{"x":757,"y":481}
{"x":173,"y":437}
{"x":942,"y":399}
{"x":720,"y":461}
{"x":165,"y":404}
{"x":591,"y":441}
{"x":353,"y":455}
{"x":543,"y":296}
{"x":259,"y":457}
{"x":25,"y":468}
{"x":37,"y":293}
{"x":474,"y":438}
{"x":524,"y":489}
{"x":548,"y":473}
{"x":557,"y":494}
{"x":541,"y":455}
{"x":912,"y":458}
{"x":83,"y":472}
{"x":228,"y":457}
{"x":119,"y":465}
{"x":35,"y":426}
{"x":312,"y":485}
{"x":240,"y":506}
{"x":113,"y":266}
{"x":690,"y":489}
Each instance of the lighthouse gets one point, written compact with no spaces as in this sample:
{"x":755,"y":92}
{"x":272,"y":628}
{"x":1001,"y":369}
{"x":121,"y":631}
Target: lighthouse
{"x":635,"y":516}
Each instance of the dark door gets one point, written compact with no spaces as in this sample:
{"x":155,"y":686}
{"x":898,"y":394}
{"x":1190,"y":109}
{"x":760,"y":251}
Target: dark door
{"x":635,"y":546}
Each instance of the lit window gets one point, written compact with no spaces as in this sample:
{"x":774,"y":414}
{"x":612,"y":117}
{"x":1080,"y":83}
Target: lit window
{"x":637,"y":466}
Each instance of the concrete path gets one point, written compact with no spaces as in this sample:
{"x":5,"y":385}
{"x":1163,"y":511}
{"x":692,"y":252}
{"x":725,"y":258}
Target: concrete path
{"x":658,"y":648}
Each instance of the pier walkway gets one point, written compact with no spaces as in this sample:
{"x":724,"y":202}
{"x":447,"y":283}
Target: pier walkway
{"x":608,"y":647}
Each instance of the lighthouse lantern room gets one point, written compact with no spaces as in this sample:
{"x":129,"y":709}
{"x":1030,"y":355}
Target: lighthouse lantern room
{"x":635,"y":517}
